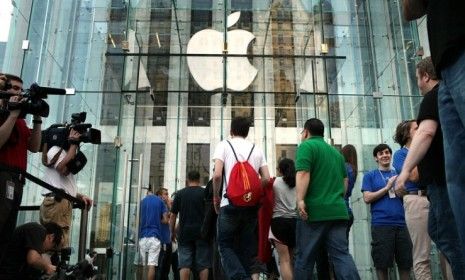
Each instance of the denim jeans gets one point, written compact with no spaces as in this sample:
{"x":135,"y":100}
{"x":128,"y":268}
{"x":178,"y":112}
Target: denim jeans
{"x":442,"y":229}
{"x":451,"y":99}
{"x":309,"y":239}
{"x":237,"y":240}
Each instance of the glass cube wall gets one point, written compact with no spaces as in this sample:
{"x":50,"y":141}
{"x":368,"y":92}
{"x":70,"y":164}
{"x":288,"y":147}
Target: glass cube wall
{"x":162,"y":79}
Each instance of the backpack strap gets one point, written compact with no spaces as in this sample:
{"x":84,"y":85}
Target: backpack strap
{"x":234,"y":152}
{"x":250,"y":152}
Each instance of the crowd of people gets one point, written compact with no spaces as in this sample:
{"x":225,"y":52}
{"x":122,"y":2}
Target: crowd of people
{"x":226,"y":231}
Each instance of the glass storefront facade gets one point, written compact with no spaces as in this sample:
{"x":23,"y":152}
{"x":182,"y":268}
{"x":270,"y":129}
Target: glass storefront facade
{"x":162,"y":79}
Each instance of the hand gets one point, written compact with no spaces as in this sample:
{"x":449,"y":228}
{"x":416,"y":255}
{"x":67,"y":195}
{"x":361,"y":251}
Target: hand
{"x":74,"y":135}
{"x":50,"y":269}
{"x":301,"y":207}
{"x":87,"y":201}
{"x":400,"y":183}
{"x":15,"y":99}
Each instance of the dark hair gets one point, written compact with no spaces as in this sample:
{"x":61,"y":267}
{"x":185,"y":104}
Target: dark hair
{"x":403,"y":132}
{"x":56,"y":230}
{"x":425,"y":66}
{"x":315,"y":127}
{"x":350,"y":156}
{"x":13,"y":78}
{"x":287,"y":168}
{"x":160,"y":191}
{"x":193,"y":176}
{"x":380,"y":148}
{"x":240,"y":126}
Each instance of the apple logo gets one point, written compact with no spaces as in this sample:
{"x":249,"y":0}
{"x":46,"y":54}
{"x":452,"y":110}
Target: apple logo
{"x":208,"y":71}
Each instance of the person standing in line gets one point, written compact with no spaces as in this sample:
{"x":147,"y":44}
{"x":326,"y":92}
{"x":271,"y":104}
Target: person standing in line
{"x":237,"y":240}
{"x":389,"y":233}
{"x":284,"y":219}
{"x":321,"y":180}
{"x":416,"y":204}
{"x":164,"y":260}
{"x":427,"y":152}
{"x":446,"y":34}
{"x":193,"y":251}
{"x":153,"y":213}
{"x":350,"y":157}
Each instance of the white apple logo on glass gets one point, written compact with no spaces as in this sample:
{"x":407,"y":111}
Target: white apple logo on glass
{"x":208,"y":71}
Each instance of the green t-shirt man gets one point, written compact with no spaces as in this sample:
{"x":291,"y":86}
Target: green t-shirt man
{"x":324,"y":199}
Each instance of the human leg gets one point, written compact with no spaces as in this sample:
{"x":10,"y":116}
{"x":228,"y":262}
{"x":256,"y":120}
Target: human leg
{"x":451,"y":100}
{"x":229,"y":221}
{"x":416,"y":217}
{"x":442,"y":229}
{"x":284,"y":261}
{"x":403,"y":252}
{"x":338,"y":250}
{"x":309,"y":236}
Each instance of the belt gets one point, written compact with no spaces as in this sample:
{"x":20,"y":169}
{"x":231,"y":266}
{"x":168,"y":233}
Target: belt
{"x":419,"y":192}
{"x":57,"y":197}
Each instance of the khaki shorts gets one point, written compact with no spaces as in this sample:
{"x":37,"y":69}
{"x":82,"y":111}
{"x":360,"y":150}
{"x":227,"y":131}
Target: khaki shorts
{"x":59,"y":212}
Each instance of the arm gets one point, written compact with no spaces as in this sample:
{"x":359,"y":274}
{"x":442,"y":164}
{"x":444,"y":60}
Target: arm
{"x":70,"y":154}
{"x":33,"y":144}
{"x":370,"y":197}
{"x":173,"y":225}
{"x":264,"y":175}
{"x":217,"y":181}
{"x":7,"y":127}
{"x":414,"y":9}
{"x":302,"y":180}
{"x":420,"y":144}
{"x":346,"y":185}
{"x":165,"y":218}
{"x":35,"y":260}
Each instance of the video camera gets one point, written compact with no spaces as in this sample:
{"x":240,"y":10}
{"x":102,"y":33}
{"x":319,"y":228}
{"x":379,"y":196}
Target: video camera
{"x":34,"y":99}
{"x":57,"y":135}
{"x":80,"y":271}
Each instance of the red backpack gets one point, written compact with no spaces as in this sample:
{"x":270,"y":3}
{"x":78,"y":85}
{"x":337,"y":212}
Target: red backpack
{"x":244,"y":186}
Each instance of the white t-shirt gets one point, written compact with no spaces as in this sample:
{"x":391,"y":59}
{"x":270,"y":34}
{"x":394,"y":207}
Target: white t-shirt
{"x":242,"y":148}
{"x":285,"y":199}
{"x":54,"y":178}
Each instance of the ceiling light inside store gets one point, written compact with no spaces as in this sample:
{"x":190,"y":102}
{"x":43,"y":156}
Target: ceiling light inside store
{"x":158,"y":39}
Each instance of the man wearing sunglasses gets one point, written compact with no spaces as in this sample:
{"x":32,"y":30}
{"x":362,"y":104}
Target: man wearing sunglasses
{"x":23,"y":256}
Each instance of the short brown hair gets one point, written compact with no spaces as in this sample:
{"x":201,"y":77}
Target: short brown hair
{"x":425,"y":66}
{"x":403,"y":132}
{"x":13,"y":78}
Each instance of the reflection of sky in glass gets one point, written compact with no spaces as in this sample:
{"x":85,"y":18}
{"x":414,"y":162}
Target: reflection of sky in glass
{"x":5,"y":18}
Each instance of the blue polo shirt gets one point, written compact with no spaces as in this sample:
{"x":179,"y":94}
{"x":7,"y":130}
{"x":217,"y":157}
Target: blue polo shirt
{"x":384,"y":211}
{"x":398,"y":162}
{"x":151,"y":213}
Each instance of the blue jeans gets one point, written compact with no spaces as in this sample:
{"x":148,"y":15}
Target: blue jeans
{"x":310,"y":237}
{"x":237,"y":240}
{"x":442,"y":229}
{"x":451,"y":99}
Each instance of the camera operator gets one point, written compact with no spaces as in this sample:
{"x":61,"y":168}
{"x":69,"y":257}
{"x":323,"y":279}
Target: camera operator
{"x":24,"y":259}
{"x":15,"y":140}
{"x":54,"y":208}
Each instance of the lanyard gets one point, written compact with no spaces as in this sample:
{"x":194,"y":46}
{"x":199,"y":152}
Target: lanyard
{"x":384,"y":178}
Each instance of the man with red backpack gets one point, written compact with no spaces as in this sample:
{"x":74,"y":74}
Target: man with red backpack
{"x":237,"y":164}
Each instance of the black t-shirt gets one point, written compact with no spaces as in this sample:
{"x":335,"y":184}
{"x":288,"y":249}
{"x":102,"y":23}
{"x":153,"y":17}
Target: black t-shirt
{"x":189,"y":203}
{"x":26,"y":237}
{"x":431,"y":168}
{"x":446,"y":31}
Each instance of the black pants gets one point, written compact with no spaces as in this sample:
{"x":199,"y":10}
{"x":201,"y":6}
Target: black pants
{"x":11,"y":193}
{"x":164,"y":262}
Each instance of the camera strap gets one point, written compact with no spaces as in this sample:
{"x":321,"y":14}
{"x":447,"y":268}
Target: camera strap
{"x":45,"y":157}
